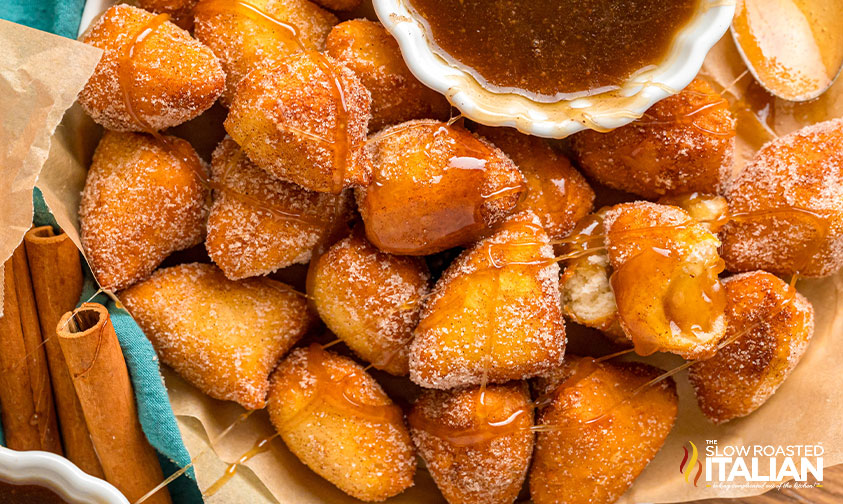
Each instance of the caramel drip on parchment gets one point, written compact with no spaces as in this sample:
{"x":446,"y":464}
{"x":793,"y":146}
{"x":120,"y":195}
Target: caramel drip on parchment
{"x":261,"y":446}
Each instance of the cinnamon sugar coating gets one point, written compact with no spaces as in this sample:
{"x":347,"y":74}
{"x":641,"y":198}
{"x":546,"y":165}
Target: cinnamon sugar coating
{"x":591,"y":419}
{"x":222,"y":336}
{"x":792,"y":192}
{"x":484,"y":472}
{"x":336,"y":419}
{"x":556,"y":191}
{"x":243,"y":39}
{"x":140,"y":203}
{"x":171,"y":77}
{"x":373,"y":54}
{"x":435,"y":187}
{"x":292,"y":122}
{"x":495,"y":314}
{"x":771,"y":325}
{"x":684,"y":143}
{"x":370,"y":299}
{"x":259,"y":224}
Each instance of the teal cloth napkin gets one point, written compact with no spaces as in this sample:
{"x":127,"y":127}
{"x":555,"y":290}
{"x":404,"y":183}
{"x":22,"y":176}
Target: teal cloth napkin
{"x":62,"y":17}
{"x":55,"y":16}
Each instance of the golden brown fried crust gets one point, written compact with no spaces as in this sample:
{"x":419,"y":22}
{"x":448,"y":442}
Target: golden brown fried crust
{"x":173,"y":77}
{"x":435,"y":187}
{"x":259,"y":224}
{"x":494,"y":314}
{"x":556,"y":192}
{"x":684,"y":143}
{"x":222,"y":336}
{"x":683,"y":261}
{"x":139,"y":204}
{"x":803,"y":170}
{"x":366,"y":457}
{"x":772,"y":326}
{"x":590,"y":421}
{"x":397,"y":96}
{"x":244,"y":40}
{"x":180,"y":11}
{"x":370,"y":299}
{"x":290,"y":121}
{"x":486,"y":472}
{"x":638,"y":226}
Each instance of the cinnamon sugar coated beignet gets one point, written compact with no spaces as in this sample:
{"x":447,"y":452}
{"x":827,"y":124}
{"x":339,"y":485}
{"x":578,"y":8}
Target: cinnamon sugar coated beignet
{"x":303,"y":123}
{"x":180,"y":11}
{"x":683,"y":143}
{"x":435,"y":187}
{"x":665,"y":279}
{"x":259,"y":224}
{"x":336,"y":419}
{"x":791,"y":200}
{"x":141,"y":202}
{"x":397,"y":96}
{"x":495,"y":314}
{"x":770,"y":326}
{"x":171,"y":77}
{"x":556,"y":192}
{"x":477,"y":443}
{"x":224,"y":337}
{"x":243,"y":39}
{"x":597,"y":435}
{"x":370,"y":299}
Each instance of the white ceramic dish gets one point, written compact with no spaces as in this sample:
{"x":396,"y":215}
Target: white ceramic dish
{"x":59,"y":475}
{"x":559,"y":119}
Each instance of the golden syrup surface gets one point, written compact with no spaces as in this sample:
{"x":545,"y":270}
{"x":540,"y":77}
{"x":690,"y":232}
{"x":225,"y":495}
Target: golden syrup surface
{"x":553,"y":49}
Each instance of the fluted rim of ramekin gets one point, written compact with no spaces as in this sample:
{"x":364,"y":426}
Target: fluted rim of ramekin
{"x":59,"y":475}
{"x":565,"y":117}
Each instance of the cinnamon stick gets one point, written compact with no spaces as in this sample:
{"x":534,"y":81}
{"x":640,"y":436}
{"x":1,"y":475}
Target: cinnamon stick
{"x":99,"y":375}
{"x":26,"y":401}
{"x":56,"y":273}
{"x":36,"y":361}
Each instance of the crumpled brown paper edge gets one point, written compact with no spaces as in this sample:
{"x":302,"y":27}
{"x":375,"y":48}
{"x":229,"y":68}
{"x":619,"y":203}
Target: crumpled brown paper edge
{"x":794,"y":414}
{"x":33,"y":99}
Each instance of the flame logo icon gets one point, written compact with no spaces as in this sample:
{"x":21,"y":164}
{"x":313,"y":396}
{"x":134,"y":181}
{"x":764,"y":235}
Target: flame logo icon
{"x":686,"y":467}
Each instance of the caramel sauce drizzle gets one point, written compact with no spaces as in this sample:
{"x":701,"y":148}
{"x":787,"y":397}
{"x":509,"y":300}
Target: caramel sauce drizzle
{"x":336,"y":393}
{"x":460,"y":186}
{"x":582,"y":241}
{"x":126,"y":76}
{"x":261,"y":446}
{"x":340,"y":142}
{"x":686,"y":118}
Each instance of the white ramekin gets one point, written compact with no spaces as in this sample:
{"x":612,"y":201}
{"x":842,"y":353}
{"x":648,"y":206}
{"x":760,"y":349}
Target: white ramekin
{"x":59,"y":475}
{"x":559,"y":119}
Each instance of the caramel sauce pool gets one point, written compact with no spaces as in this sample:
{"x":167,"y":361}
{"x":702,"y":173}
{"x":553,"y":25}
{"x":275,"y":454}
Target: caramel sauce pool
{"x":550,"y":50}
{"x":11,"y":493}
